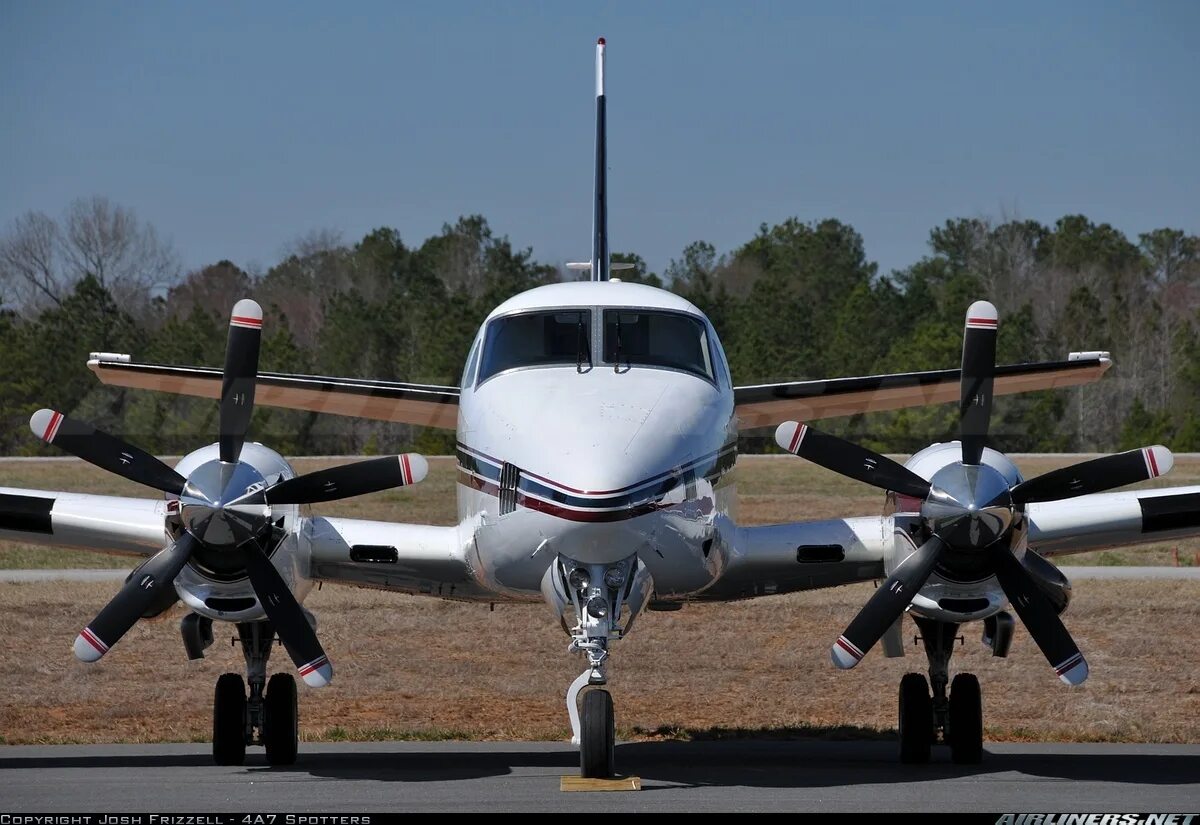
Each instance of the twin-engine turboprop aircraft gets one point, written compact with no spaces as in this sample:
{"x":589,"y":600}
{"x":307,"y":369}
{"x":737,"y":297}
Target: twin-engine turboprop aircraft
{"x":597,"y":438}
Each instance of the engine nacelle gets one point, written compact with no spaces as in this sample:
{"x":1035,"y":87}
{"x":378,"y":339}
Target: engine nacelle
{"x":958,"y":591}
{"x":213,"y":586}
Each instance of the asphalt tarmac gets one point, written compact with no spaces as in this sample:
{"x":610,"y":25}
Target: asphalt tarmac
{"x":742,"y":775}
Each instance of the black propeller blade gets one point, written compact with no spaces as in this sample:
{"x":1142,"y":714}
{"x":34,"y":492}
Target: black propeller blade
{"x":105,"y":451}
{"x":133,"y":599}
{"x":240,"y":377}
{"x":1096,"y":476}
{"x":1039,"y":617}
{"x":977,"y":379}
{"x":849,"y":459}
{"x":284,"y":611}
{"x":349,"y":480}
{"x":886,"y":604}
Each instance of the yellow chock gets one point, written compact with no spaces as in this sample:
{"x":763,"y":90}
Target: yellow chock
{"x":579,"y":783}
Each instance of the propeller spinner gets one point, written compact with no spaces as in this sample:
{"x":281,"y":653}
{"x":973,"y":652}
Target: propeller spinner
{"x":968,"y":506}
{"x":225,"y":506}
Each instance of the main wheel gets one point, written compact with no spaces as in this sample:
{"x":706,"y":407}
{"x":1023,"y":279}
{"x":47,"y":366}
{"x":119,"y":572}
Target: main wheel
{"x":281,"y":722}
{"x":965,"y":720}
{"x":229,"y":720}
{"x":916,"y":719}
{"x":597,"y":735}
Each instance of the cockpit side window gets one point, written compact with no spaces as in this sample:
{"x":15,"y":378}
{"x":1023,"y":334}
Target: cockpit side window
{"x":537,"y":339}
{"x":656,"y":338}
{"x":469,"y":370}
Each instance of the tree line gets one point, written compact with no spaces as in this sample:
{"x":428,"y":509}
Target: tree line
{"x":797,"y":300}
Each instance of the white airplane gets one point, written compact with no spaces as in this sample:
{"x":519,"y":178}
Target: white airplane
{"x":597,"y":432}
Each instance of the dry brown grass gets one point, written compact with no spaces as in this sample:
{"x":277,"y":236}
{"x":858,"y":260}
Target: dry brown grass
{"x":770,"y":490}
{"x":410,"y":667}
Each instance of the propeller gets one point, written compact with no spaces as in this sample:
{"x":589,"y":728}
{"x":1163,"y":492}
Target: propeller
{"x":969,"y":507}
{"x":224,"y":506}
{"x":240,"y":376}
{"x":133,"y":599}
{"x":297,"y":635}
{"x":349,"y":480}
{"x":849,"y":459}
{"x":105,"y":451}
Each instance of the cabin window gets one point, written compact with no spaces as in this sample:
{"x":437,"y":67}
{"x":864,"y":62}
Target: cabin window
{"x":655,"y":338}
{"x":537,"y":339}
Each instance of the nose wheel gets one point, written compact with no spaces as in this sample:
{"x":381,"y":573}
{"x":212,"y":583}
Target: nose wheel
{"x":597,"y":736}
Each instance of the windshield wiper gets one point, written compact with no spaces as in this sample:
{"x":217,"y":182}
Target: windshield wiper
{"x":617,"y":354}
{"x":582,"y":345}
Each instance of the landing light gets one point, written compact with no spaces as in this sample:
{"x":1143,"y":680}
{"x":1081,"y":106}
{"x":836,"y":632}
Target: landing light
{"x":614,"y":577}
{"x":597,"y":607}
{"x":579,"y":579}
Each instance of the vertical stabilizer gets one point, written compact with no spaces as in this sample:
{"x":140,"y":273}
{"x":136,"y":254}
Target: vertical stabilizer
{"x":600,"y":207}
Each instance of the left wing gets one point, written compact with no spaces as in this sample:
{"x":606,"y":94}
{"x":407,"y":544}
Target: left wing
{"x":421,"y":404}
{"x":106,"y":524}
{"x":765,"y":405}
{"x":783,"y":558}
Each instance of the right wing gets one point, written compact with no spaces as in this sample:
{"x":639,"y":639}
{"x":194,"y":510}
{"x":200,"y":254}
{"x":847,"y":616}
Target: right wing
{"x":407,"y":558}
{"x":767,"y":405}
{"x":421,"y":404}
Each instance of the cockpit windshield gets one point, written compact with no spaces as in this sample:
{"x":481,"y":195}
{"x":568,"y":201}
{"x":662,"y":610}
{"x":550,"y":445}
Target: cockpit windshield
{"x":537,"y":339}
{"x":657,"y":339}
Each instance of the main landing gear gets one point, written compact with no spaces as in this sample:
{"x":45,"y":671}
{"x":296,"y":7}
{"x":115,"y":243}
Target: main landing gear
{"x":267,"y":716}
{"x":955,"y":719}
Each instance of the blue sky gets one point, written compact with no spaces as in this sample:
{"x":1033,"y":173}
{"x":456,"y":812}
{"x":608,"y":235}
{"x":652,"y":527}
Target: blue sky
{"x":235,"y":128}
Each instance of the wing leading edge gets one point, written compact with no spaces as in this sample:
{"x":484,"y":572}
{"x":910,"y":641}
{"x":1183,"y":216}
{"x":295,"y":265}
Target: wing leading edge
{"x":420,"y":404}
{"x":767,"y":405}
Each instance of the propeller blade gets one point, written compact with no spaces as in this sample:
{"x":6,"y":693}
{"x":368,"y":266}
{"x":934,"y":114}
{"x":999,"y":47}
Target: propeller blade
{"x":1039,"y":617}
{"x":240,"y":377}
{"x":977,"y":378}
{"x":1096,"y":476}
{"x":133,"y":599}
{"x":105,"y":451}
{"x":886,"y":605}
{"x":297,"y":635}
{"x":849,"y":459}
{"x":349,"y":480}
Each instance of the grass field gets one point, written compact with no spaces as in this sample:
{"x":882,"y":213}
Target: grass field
{"x":416,"y":668}
{"x":770,"y":490}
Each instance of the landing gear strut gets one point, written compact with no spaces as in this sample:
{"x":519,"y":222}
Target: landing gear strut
{"x":598,"y":592}
{"x":953,"y":716}
{"x":268,"y":716}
